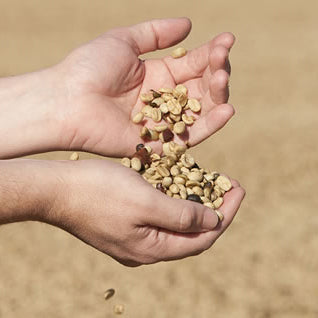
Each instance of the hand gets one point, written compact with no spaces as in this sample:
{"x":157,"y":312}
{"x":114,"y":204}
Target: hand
{"x":114,"y":210}
{"x":105,"y":77}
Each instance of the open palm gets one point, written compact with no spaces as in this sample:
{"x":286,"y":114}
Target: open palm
{"x":106,"y":76}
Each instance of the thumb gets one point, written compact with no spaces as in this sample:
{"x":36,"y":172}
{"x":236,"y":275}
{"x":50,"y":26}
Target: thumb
{"x":180,"y":215}
{"x":155,"y":34}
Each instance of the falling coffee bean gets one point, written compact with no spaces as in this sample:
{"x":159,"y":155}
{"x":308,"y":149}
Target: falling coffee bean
{"x":194,"y":198}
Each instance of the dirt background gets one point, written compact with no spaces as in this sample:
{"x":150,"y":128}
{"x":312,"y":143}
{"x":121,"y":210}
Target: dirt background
{"x":266,"y":264}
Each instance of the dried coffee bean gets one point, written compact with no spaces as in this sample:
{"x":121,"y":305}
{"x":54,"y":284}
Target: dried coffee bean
{"x":182,"y":99}
{"x":183,"y":194}
{"x":218,"y":202}
{"x":188,"y":120}
{"x":187,"y":160}
{"x":197,"y":190}
{"x":194,"y":197}
{"x":166,"y":97}
{"x":163,"y":171}
{"x":175,"y":118}
{"x":138,"y":118}
{"x":154,"y":157}
{"x":181,"y":187}
{"x":195,"y":176}
{"x":136,"y":164}
{"x":176,"y":148}
{"x":156,"y":114}
{"x":171,"y":160}
{"x":156,"y":176}
{"x":180,"y":89}
{"x":169,"y":193}
{"x":194,"y":105}
{"x":178,"y":52}
{"x":167,"y":135}
{"x":165,"y":91}
{"x":179,"y":179}
{"x":160,"y":187}
{"x":143,"y":155}
{"x":149,"y":149}
{"x":192,"y":183}
{"x":147,"y":111}
{"x":74,"y":156}
{"x":213,"y":196}
{"x":157,"y":102}
{"x":139,"y":146}
{"x":174,"y":107}
{"x":185,"y":170}
{"x":174,"y":188}
{"x":207,"y":192}
{"x":224,"y":183}
{"x":153,"y":135}
{"x":175,"y":170}
{"x":176,"y":196}
{"x":205,"y":199}
{"x":219,"y":214}
{"x":144,"y":133}
{"x":179,"y":128}
{"x":155,"y":93}
{"x":109,"y":293}
{"x":164,"y":108}
{"x":125,"y":162}
{"x":189,"y":191}
{"x":119,"y":309}
{"x":151,"y":171}
{"x":146,"y":98}
{"x":160,"y":128}
{"x":167,"y":181}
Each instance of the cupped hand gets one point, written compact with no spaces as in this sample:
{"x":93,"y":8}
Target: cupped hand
{"x":104,"y":78}
{"x":113,"y":209}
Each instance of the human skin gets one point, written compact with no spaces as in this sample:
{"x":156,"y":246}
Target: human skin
{"x":86,"y":102}
{"x":136,"y":225}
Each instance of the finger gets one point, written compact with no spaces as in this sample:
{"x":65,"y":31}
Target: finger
{"x":219,"y":89}
{"x":232,"y":202}
{"x":155,"y":34}
{"x":178,"y":245}
{"x":219,"y":59}
{"x":208,"y":124}
{"x":180,"y":215}
{"x":193,"y":64}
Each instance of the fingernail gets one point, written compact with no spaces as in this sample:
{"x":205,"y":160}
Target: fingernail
{"x":210,"y":220}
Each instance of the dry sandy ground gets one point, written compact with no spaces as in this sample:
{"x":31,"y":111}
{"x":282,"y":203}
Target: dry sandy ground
{"x":266,"y":264}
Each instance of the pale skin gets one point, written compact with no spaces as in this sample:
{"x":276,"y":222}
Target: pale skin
{"x":86,"y":103}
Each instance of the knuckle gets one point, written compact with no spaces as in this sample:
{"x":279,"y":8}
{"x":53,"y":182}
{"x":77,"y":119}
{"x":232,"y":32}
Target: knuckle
{"x":187,"y":218}
{"x":222,"y":77}
{"x":220,"y":51}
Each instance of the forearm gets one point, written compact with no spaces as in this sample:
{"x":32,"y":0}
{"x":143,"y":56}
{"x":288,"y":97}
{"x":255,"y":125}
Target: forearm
{"x":30,"y":116}
{"x":28,"y":190}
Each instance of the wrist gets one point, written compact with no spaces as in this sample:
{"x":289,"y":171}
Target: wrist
{"x":29,"y":190}
{"x":31,"y":114}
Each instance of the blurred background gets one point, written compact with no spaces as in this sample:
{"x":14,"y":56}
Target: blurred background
{"x":266,"y":264}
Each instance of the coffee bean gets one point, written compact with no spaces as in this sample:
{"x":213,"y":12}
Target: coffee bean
{"x":160,"y":187}
{"x":139,"y":146}
{"x":194,"y":197}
